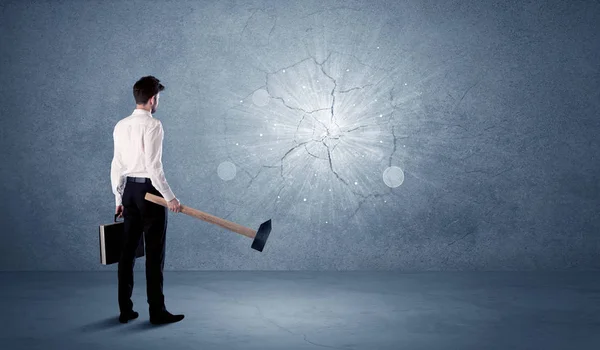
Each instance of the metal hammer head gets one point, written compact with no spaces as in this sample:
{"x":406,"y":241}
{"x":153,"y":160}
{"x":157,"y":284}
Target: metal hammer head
{"x":261,"y":236}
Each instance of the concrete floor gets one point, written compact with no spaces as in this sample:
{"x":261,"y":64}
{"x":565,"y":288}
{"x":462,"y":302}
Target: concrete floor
{"x":307,"y":310}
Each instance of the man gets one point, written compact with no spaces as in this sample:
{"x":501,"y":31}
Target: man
{"x":136,"y":169}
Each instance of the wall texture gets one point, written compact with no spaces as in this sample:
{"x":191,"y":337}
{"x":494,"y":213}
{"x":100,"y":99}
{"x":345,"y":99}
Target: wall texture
{"x":419,"y":135}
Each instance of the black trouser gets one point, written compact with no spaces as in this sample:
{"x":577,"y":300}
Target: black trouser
{"x":140,"y":216}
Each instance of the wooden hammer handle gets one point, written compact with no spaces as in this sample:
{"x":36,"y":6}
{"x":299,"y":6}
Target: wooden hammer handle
{"x":232,"y":226}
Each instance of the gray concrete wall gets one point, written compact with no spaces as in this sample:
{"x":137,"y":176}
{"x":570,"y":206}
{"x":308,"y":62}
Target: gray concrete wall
{"x":453,"y":135}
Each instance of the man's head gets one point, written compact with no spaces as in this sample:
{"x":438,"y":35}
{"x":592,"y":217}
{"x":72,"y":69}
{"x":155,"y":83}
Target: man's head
{"x":146,"y":93}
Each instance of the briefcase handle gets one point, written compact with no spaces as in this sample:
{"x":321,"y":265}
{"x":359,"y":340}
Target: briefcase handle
{"x":116,"y":215}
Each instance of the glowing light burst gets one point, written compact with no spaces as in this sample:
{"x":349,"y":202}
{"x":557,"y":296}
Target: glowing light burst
{"x":319,"y":139}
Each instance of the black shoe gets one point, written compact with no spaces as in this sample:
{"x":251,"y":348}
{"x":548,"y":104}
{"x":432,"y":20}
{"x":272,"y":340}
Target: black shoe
{"x":124,"y":317}
{"x":165,"y":317}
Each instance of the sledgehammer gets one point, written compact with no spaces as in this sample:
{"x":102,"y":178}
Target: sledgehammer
{"x":260,"y":236}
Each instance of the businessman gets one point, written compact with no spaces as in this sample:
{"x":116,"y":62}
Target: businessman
{"x":136,"y":169}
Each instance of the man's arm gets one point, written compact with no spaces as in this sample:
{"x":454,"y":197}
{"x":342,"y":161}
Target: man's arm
{"x":116,"y":174}
{"x":153,"y":142}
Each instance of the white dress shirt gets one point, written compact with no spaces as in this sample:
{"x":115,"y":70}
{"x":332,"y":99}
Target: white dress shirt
{"x":138,"y":141}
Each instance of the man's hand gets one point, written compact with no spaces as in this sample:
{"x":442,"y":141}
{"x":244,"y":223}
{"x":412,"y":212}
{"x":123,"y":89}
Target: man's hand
{"x":119,"y":211}
{"x":174,"y":205}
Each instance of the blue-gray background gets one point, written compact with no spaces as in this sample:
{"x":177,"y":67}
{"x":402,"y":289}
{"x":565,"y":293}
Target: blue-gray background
{"x":490,"y":109}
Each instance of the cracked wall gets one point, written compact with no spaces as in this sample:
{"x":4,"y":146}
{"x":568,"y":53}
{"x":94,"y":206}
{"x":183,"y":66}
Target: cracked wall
{"x":386,"y":135}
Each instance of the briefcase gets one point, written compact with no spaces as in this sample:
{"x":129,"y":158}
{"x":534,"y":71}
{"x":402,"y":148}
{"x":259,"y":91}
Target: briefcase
{"x":112,"y":240}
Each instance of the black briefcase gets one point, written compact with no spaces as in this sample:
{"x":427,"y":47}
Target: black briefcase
{"x":112,"y":240}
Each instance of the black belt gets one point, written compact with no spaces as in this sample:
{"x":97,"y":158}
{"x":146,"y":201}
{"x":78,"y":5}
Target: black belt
{"x":138,"y":179}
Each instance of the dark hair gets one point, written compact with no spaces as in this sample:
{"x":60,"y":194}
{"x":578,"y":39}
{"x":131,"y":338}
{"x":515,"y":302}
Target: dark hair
{"x":145,"y":88}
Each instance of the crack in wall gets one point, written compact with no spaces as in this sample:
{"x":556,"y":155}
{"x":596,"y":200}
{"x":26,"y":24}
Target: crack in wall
{"x":248,"y":21}
{"x":328,"y":135}
{"x":330,"y":150}
{"x":332,"y":91}
{"x":313,"y":155}
{"x":254,"y":11}
{"x":355,"y":88}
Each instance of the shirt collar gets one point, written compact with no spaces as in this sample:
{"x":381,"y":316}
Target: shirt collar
{"x":142,"y":111}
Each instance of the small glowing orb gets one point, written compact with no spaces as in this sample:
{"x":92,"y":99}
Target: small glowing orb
{"x":393,"y":176}
{"x":226,"y":171}
{"x":260,"y":97}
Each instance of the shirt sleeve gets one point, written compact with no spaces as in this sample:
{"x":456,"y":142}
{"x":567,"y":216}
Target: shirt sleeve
{"x":153,"y":142}
{"x":116,"y":174}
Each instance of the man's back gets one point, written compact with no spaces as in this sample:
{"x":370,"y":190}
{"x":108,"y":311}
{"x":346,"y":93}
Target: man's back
{"x":138,"y":147}
{"x":129,"y":140}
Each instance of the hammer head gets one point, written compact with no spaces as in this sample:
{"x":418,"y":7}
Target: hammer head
{"x":261,"y":236}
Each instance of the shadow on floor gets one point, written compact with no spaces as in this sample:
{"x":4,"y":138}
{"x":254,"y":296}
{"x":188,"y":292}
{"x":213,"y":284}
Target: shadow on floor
{"x":107,"y":323}
{"x":142,"y":325}
{"x":113,"y":322}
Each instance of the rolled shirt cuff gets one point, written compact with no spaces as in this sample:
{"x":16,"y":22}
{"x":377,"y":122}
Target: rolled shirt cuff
{"x":168,"y":195}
